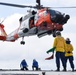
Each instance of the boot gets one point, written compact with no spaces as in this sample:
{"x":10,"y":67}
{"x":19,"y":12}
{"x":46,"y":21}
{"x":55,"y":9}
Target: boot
{"x":64,"y":69}
{"x":57,"y":69}
{"x":72,"y":69}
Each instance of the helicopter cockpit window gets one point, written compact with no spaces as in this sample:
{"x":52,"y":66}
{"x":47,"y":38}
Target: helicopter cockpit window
{"x":53,"y":14}
{"x":56,"y":16}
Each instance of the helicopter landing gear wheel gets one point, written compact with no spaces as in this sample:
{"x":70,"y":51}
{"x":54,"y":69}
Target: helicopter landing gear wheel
{"x":22,"y":42}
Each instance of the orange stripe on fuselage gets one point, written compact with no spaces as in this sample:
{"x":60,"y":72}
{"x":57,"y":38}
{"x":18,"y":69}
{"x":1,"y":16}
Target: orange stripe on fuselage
{"x":3,"y":38}
{"x":43,"y":18}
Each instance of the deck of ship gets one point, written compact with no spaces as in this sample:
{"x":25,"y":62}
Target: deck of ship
{"x":30,"y":72}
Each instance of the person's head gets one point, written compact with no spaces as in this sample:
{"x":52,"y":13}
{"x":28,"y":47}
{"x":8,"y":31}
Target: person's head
{"x":68,"y":41}
{"x":58,"y":33}
{"x":23,"y":60}
{"x":34,"y":60}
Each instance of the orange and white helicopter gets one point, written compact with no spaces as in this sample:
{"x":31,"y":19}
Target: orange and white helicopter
{"x":44,"y":21}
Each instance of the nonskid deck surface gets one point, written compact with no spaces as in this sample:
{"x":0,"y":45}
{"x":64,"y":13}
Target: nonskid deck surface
{"x":30,"y":72}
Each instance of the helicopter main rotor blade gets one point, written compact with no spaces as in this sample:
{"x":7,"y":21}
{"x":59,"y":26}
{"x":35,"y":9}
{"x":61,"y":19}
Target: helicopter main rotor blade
{"x":37,"y":7}
{"x":16,"y":5}
{"x":63,"y":7}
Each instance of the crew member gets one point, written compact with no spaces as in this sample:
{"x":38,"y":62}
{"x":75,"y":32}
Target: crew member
{"x":60,"y":45}
{"x":31,"y":20}
{"x":35,"y":65}
{"x":69,"y":53}
{"x":23,"y":65}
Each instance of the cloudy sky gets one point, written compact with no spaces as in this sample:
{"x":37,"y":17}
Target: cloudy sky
{"x":11,"y":53}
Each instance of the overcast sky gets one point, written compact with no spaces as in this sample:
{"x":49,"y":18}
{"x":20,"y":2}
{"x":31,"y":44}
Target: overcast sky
{"x":11,"y":53}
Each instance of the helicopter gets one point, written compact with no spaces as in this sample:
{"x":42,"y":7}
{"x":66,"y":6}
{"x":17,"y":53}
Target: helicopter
{"x":44,"y":21}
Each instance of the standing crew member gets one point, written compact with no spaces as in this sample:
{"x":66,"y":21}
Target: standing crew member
{"x":59,"y":43}
{"x":69,"y":53}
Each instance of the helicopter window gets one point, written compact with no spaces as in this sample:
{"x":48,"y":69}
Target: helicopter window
{"x":52,"y":12}
{"x":56,"y":16}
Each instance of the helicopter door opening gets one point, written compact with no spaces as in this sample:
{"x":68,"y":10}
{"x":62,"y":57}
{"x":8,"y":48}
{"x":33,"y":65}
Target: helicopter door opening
{"x":31,"y":22}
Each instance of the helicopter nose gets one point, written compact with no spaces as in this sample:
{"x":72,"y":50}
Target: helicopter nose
{"x":67,"y":17}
